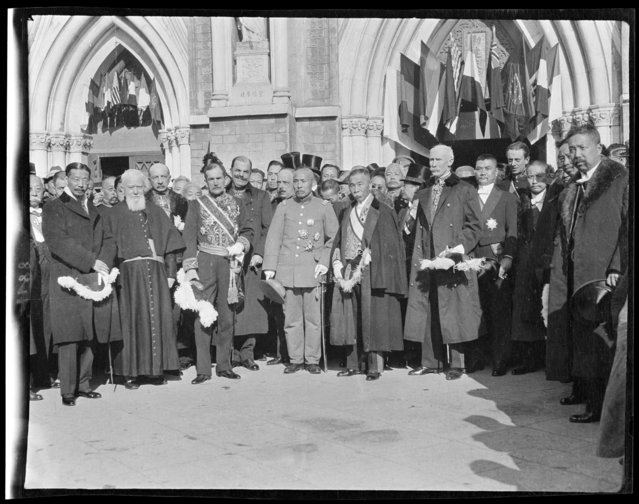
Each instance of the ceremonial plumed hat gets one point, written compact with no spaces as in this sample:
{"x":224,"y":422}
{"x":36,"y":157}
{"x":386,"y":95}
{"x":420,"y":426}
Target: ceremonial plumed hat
{"x":590,"y":303}
{"x":291,"y":160}
{"x":273,"y":290}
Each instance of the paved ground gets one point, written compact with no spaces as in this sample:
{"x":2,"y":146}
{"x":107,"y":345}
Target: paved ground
{"x":275,"y":431}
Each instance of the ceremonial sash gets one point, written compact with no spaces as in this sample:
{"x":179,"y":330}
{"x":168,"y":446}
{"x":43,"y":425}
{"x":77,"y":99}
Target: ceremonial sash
{"x":356,"y":225}
{"x":218,"y":215}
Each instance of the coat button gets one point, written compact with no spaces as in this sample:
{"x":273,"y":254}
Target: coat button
{"x":450,"y":225}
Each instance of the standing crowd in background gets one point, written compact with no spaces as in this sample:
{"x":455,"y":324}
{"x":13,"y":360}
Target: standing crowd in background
{"x":433,"y":269}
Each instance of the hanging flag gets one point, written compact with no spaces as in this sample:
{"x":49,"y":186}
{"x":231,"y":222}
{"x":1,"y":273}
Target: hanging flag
{"x":430,"y":105}
{"x":144,"y":99}
{"x":410,"y":99}
{"x":94,"y":91}
{"x":131,"y":99}
{"x":457,"y":62}
{"x":154,"y":104}
{"x":115,"y":88}
{"x":392,"y":127}
{"x":548,"y":104}
{"x":471,"y":94}
{"x":450,"y":110}
{"x":518,"y":103}
{"x":494,"y":86}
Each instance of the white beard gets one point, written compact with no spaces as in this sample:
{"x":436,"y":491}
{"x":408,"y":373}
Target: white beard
{"x":136,"y":204}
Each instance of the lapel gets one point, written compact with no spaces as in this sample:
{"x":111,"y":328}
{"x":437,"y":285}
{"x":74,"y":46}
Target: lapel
{"x":446,"y":190}
{"x":491,"y":202}
{"x":93,"y":212}
{"x":371,"y":222}
{"x":73,"y":205}
{"x":424,"y":204}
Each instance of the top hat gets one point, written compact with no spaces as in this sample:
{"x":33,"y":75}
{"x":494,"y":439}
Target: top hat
{"x":372,"y":167}
{"x":273,"y":290}
{"x":313,"y":162}
{"x":32,"y":170}
{"x":291,"y":160}
{"x":417,"y":174}
{"x":52,"y":172}
{"x":590,"y":303}
{"x":380,"y":172}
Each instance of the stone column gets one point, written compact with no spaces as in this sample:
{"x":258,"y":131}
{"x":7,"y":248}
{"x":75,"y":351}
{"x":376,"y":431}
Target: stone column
{"x":166,"y":149}
{"x":222,"y":57}
{"x":374,"y":127}
{"x":59,"y":145}
{"x":279,"y":60}
{"x":175,"y":153}
{"x":38,"y":152}
{"x":347,"y":145}
{"x":356,"y":136}
{"x":183,"y":137}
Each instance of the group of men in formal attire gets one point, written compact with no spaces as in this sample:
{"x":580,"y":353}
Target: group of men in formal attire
{"x":441,"y":269}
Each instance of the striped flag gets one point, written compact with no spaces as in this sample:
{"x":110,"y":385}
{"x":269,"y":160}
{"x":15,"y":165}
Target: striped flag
{"x":457,"y":62}
{"x":450,"y":111}
{"x":431,"y":90}
{"x":494,"y":86}
{"x":115,"y":88}
{"x":518,"y":102}
{"x":548,"y":104}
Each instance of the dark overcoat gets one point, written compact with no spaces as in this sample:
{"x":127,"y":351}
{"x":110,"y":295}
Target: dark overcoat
{"x":383,"y":284}
{"x":598,"y":248}
{"x":76,"y":240}
{"x":456,"y":221}
{"x":252,"y":318}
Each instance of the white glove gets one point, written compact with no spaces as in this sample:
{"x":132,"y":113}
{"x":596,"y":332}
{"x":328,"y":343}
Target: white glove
{"x":268,"y":274}
{"x":256,"y":261}
{"x":171,"y":282}
{"x":337,"y":270}
{"x":320,"y":269}
{"x":191,"y":275}
{"x":235,"y":250}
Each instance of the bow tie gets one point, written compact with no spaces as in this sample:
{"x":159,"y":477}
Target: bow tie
{"x":35,"y":211}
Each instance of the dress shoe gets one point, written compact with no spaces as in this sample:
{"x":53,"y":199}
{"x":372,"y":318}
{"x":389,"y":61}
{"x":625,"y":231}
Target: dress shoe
{"x":185,"y":363}
{"x":68,"y":400}
{"x":272,"y":362}
{"x":292,"y":368}
{"x":454,"y":373}
{"x":570,"y":400}
{"x":236,"y":363}
{"x":228,"y":374}
{"x":201,"y":378}
{"x":373,"y":376}
{"x":586,"y":417}
{"x":349,"y":372}
{"x":499,"y":370}
{"x":423,"y":371}
{"x":262,"y":357}
{"x":474,"y":366}
{"x":89,"y":394}
{"x":524,"y":368}
{"x":313,"y":369}
{"x":131,"y":385}
{"x":34,"y":397}
{"x":250,"y":365}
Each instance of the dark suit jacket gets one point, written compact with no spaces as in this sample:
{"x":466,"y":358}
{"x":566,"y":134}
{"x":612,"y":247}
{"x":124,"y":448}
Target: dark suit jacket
{"x":500,"y":210}
{"x":178,"y":203}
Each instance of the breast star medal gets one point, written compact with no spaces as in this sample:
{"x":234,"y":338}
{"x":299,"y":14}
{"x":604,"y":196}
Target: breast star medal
{"x":491,"y":224}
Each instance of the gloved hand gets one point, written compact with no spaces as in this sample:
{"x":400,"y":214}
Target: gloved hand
{"x":268,"y":274}
{"x":337,"y":270}
{"x":320,"y":269}
{"x":235,"y":250}
{"x":504,"y":266}
{"x":256,"y":261}
{"x":191,"y":275}
{"x":171,"y":282}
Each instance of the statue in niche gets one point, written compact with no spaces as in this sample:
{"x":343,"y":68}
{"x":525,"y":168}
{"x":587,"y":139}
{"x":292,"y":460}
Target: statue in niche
{"x":252,"y":29}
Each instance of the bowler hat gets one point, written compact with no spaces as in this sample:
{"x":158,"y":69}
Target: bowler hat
{"x":313,"y":162}
{"x":291,"y":160}
{"x":273,"y":290}
{"x":590,"y":303}
{"x":417,"y":174}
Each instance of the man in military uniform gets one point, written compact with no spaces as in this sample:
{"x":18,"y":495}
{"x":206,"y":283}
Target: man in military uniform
{"x":298,"y":247}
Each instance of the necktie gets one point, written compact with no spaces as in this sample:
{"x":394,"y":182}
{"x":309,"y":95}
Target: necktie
{"x":580,"y":192}
{"x":436,"y":193}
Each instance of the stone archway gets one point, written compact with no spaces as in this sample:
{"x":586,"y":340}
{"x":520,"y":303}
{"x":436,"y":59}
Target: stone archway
{"x":66,"y":51}
{"x":591,"y":60}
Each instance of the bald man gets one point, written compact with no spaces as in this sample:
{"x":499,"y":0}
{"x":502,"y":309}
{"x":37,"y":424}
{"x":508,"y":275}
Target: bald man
{"x":443,"y":304}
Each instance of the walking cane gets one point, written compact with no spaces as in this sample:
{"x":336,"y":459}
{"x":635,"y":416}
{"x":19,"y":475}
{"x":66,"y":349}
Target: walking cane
{"x":111,"y":366}
{"x":321,"y":287}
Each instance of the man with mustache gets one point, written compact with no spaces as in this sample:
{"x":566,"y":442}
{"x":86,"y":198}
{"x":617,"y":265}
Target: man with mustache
{"x":251,"y":320}
{"x":109,"y":194}
{"x":79,"y":243}
{"x":147,"y":242}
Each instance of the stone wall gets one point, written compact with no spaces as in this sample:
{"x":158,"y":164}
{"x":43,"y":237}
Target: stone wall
{"x":200,"y":64}
{"x":319,"y":136}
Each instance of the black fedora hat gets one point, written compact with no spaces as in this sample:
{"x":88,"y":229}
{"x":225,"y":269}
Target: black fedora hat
{"x":372,"y":167}
{"x":273,"y":290}
{"x":291,"y":160}
{"x":313,"y":162}
{"x":590,"y":303}
{"x":417,"y":174}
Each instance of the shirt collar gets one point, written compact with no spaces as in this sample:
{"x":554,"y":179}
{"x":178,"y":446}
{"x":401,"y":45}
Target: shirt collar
{"x":35,"y":211}
{"x":539,"y":198}
{"x":367,"y":201}
{"x":585,"y":178}
{"x":305,"y":200}
{"x":485,"y":189}
{"x":444,"y":176}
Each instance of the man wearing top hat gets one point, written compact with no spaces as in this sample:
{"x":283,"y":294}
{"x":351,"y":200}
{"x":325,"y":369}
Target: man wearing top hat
{"x":593,"y":229}
{"x":370,"y":281}
{"x":297,"y":254}
{"x":498,"y":245}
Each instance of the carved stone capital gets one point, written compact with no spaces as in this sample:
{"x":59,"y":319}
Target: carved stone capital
{"x":80,"y":143}
{"x":59,"y":143}
{"x":164,"y":139}
{"x":604,"y":115}
{"x":354,"y":126}
{"x":374,"y":126}
{"x":39,"y":141}
{"x":183,"y":135}
{"x":171,"y":137}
